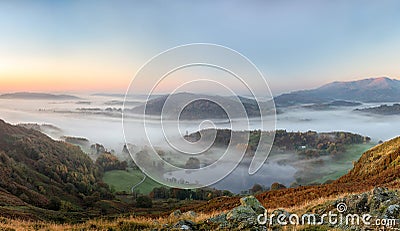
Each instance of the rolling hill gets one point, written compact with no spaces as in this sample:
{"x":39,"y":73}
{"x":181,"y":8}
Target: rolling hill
{"x":367,"y":90}
{"x":202,"y":106}
{"x":40,"y":174}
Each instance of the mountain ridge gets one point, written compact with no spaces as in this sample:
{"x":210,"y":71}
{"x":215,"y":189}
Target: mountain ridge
{"x":37,"y":96}
{"x":382,"y":89}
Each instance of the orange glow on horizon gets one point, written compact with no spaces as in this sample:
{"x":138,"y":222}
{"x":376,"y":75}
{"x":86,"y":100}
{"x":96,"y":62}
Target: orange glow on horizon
{"x":72,"y":74}
{"x":79,"y":73}
{"x":54,"y":84}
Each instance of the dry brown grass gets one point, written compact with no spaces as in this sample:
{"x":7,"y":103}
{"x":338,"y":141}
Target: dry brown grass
{"x":313,"y":203}
{"x":148,"y":223}
{"x":310,"y":204}
{"x":141,"y":223}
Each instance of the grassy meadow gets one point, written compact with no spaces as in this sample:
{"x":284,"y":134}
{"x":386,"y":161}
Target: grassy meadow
{"x":124,"y":180}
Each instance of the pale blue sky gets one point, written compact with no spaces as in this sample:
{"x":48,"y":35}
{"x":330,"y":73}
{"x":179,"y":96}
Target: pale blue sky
{"x":296,"y":44}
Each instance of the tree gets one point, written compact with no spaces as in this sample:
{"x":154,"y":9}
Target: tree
{"x":160,"y":193}
{"x":110,"y":162}
{"x":277,"y":186}
{"x":193,"y":163}
{"x":256,"y":188}
{"x":227,"y":193}
{"x":54,"y":204}
{"x":144,"y":202}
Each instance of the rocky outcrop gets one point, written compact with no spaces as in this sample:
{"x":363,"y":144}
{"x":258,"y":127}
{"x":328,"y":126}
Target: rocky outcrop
{"x":185,"y":225}
{"x":243,"y":217}
{"x":381,"y":203}
{"x":253,"y":203}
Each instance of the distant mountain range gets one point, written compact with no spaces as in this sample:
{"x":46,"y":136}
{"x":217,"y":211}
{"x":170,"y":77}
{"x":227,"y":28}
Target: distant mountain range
{"x":335,"y":94}
{"x":202,"y":106}
{"x":37,"y":96}
{"x":367,"y":90}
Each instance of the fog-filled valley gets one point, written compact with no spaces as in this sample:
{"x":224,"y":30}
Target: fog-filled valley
{"x":199,"y":115}
{"x":98,"y":119}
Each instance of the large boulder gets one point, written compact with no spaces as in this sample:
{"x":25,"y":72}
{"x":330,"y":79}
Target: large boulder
{"x":242,"y":216}
{"x":253,"y":203}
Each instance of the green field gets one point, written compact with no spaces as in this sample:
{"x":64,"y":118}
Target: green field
{"x":332,"y":169}
{"x":123,"y":180}
{"x":340,"y":165}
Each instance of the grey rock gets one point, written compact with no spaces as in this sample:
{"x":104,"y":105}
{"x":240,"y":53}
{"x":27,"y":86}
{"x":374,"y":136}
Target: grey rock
{"x":362,"y":203}
{"x":221,"y":218}
{"x":392,"y":212}
{"x":176,"y":214}
{"x":244,"y":216}
{"x":253,"y":203}
{"x":379,"y":195}
{"x":190,"y":214}
{"x":276,"y":213}
{"x":357,"y":203}
{"x":184,"y":225}
{"x":381,"y":203}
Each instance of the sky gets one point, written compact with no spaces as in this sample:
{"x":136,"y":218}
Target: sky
{"x":98,"y":46}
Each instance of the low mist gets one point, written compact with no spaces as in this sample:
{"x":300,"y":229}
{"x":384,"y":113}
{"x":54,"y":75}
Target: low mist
{"x":100,"y":122}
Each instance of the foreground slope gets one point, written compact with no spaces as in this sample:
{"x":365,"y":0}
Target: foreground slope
{"x":379,"y":166}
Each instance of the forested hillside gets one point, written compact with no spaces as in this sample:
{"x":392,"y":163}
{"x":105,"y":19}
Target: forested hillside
{"x":37,"y":171}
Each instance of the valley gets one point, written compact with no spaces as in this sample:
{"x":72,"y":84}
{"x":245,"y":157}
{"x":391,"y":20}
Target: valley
{"x":359,"y":183}
{"x":199,"y":115}
{"x":317,"y":152}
